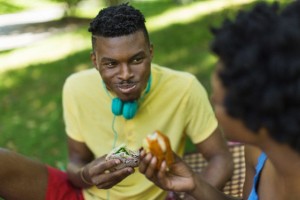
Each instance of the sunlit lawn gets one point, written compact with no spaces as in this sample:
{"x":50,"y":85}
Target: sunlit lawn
{"x":31,"y":113}
{"x":13,"y":6}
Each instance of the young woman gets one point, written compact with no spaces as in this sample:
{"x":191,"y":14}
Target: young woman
{"x":256,"y":95}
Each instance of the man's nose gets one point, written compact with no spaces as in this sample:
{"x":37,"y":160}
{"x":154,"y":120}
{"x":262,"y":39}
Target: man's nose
{"x":125,"y":72}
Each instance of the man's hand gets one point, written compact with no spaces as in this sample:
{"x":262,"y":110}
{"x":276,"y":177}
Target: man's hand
{"x":103,"y":174}
{"x":85,"y":171}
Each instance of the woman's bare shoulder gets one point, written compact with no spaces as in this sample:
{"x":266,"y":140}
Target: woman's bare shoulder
{"x":251,"y":154}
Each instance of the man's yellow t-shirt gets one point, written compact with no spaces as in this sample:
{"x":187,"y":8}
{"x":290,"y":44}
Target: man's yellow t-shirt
{"x":177,"y":105}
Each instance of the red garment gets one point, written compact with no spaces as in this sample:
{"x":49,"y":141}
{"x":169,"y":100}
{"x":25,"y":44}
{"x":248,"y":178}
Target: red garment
{"x":60,"y":188}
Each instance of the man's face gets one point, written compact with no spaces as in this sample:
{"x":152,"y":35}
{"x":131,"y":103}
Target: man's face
{"x":124,"y":64}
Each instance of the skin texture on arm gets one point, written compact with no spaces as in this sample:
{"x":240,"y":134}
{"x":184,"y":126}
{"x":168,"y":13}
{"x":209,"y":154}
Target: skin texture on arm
{"x":179,"y":177}
{"x":98,"y":172}
{"x":217,"y":173}
{"x":251,"y":155}
{"x":204,"y":191}
{"x":18,"y":177}
{"x":220,"y":164}
{"x":79,"y":156}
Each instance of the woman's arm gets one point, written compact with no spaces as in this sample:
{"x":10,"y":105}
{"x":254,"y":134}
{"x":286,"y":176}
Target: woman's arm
{"x":251,"y":156}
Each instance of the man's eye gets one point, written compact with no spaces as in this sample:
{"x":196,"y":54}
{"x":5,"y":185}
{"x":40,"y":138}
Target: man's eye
{"x":109,"y":64}
{"x":137,"y":60}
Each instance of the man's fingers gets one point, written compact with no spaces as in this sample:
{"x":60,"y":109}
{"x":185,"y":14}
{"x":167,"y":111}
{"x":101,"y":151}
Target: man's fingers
{"x":108,"y":180}
{"x":104,"y":167}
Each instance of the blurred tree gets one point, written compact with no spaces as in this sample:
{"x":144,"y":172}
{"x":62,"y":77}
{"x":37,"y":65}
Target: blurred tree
{"x":183,"y":1}
{"x":114,"y":2}
{"x":70,"y":6}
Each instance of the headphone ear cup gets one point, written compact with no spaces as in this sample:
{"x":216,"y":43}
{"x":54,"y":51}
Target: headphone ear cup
{"x":130,"y":109}
{"x":117,"y":106}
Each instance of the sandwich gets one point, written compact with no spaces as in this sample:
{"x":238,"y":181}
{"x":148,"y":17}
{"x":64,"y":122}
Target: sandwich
{"x":128,"y":158}
{"x":159,"y":146}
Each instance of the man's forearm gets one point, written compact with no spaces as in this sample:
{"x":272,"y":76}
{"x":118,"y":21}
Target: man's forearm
{"x":218,"y":171}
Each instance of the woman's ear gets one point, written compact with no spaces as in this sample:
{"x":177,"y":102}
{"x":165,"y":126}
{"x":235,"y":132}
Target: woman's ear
{"x":94,"y":59}
{"x":263,"y":133}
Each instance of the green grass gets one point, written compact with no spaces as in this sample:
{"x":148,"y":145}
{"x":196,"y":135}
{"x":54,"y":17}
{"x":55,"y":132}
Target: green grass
{"x":13,"y":6}
{"x":31,"y":112}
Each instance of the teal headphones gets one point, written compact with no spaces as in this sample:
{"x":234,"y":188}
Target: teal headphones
{"x":127,"y":108}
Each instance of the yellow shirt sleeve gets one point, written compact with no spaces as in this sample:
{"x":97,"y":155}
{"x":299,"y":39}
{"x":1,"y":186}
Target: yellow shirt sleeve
{"x":202,"y":121}
{"x":71,"y":114}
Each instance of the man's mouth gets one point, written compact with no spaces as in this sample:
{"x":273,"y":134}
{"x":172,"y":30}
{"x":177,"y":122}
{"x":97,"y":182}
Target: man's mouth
{"x":126,"y":88}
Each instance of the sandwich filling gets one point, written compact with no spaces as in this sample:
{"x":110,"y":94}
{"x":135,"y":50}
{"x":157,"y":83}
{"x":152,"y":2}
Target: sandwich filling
{"x":128,"y":158}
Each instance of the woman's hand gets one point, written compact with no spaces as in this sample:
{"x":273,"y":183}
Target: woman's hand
{"x":179,"y":177}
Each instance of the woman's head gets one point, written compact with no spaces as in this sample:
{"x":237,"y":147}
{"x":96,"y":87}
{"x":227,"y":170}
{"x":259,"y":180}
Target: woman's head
{"x":260,"y":70}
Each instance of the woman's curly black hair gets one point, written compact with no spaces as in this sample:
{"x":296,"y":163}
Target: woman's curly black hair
{"x":260,"y":55}
{"x":118,"y":21}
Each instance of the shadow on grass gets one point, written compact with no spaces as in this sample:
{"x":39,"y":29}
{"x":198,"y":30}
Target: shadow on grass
{"x":31,"y":108}
{"x":187,"y":46}
{"x":154,"y":8}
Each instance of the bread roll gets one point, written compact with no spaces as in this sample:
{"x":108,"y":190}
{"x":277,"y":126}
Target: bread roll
{"x":159,"y":145}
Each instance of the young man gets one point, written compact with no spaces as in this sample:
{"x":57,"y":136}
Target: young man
{"x":127,"y":97}
{"x":123,"y":99}
{"x":256,"y":96}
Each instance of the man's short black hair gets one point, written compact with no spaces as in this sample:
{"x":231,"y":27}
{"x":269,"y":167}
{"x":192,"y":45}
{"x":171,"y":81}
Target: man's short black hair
{"x":260,"y":53}
{"x":118,"y":21}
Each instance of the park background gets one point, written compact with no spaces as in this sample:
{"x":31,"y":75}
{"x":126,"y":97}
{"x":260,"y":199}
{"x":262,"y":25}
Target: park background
{"x":41,"y":48}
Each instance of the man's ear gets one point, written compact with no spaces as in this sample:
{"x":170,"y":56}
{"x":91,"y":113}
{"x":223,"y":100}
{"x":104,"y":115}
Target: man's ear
{"x":151,"y":51}
{"x":94,"y":59}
